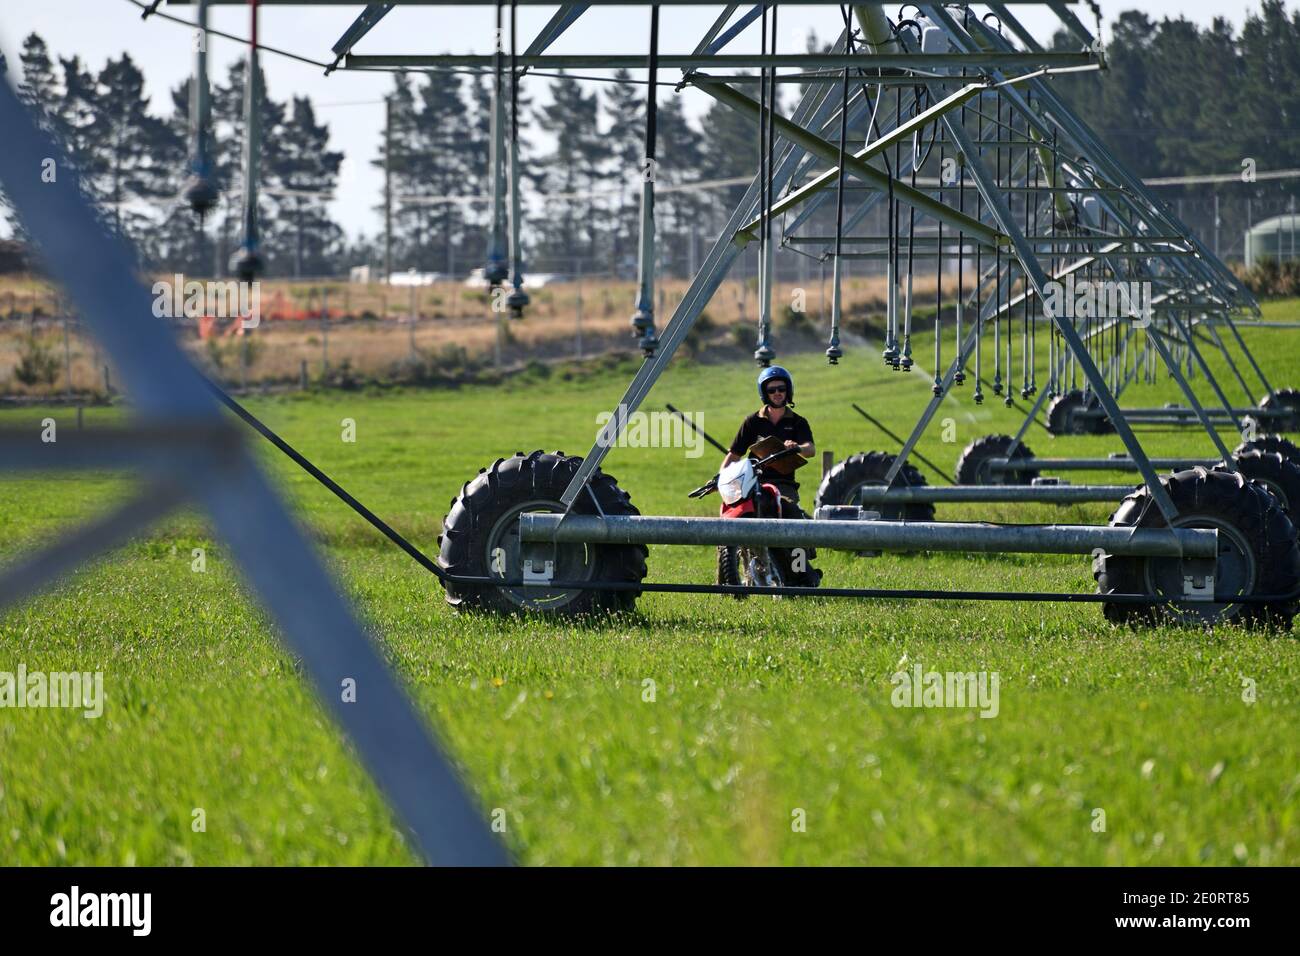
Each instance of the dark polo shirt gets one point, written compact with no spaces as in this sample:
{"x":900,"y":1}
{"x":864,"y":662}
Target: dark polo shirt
{"x":792,"y":427}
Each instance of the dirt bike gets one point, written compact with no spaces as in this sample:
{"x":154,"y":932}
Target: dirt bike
{"x":744,"y":496}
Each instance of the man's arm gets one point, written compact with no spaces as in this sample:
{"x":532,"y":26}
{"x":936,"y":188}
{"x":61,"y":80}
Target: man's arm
{"x":803,"y":439}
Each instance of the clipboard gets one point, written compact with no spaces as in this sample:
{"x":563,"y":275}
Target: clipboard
{"x":770,"y":446}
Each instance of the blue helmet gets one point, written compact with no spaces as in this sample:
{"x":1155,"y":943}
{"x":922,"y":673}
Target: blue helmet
{"x":775,"y":371}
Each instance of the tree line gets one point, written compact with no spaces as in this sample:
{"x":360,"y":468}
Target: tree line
{"x":1177,"y":99}
{"x":132,"y":162}
{"x":132,"y":159}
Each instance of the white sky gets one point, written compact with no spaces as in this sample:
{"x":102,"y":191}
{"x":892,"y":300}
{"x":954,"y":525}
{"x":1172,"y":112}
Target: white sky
{"x":98,"y":29}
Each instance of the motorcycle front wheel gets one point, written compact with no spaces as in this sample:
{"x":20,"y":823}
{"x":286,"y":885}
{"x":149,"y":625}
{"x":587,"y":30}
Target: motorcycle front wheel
{"x":749,"y":567}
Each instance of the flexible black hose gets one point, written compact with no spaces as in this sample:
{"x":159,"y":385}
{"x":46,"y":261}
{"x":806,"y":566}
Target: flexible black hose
{"x":339,"y":491}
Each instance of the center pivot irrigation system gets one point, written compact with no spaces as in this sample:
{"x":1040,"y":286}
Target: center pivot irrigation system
{"x":947,"y":123}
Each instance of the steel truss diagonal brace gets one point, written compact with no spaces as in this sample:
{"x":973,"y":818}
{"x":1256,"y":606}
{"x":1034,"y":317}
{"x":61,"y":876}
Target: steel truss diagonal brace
{"x":877,"y":146}
{"x":1187,"y":388}
{"x":364,"y":23}
{"x":830,"y":153}
{"x":560,"y":21}
{"x":43,"y":569}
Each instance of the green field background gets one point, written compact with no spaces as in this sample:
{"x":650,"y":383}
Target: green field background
{"x":762,"y":708}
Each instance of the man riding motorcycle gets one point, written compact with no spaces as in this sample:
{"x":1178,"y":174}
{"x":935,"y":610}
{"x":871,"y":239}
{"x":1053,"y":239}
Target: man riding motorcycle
{"x":774,"y":426}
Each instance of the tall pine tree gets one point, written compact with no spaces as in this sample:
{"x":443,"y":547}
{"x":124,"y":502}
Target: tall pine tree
{"x":124,"y":142}
{"x":574,"y":219}
{"x":304,"y":164}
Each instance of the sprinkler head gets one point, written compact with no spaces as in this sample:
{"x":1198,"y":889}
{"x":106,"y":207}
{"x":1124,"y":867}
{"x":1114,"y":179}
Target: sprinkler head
{"x":200,"y":193}
{"x":906,"y":363}
{"x":978,"y":396}
{"x":643,"y":322}
{"x":763,"y":355}
{"x":959,"y":378}
{"x":834,"y":354}
{"x":516,"y":301}
{"x":997,"y":386}
{"x":246,"y":264}
{"x":937,"y":389}
{"x":496,"y":272}
{"x":1007,"y":401}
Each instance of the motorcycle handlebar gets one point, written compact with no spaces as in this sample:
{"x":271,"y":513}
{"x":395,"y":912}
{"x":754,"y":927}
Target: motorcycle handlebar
{"x":712,"y":484}
{"x":708,"y":487}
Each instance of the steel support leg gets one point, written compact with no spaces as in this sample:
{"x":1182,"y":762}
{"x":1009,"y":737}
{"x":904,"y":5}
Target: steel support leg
{"x":1157,"y":341}
{"x":1227,"y":357}
{"x":1259,"y":372}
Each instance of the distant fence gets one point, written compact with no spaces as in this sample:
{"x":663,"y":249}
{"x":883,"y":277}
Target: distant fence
{"x":326,"y":331}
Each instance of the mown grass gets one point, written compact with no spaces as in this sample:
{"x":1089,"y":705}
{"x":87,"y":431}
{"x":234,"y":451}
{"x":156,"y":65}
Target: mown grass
{"x":760,"y":708}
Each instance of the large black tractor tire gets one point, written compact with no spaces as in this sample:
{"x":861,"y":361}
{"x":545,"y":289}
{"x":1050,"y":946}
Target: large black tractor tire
{"x":1274,"y":443}
{"x":1064,"y":418}
{"x":484,"y":518}
{"x":1281,"y":476}
{"x":1283,"y":400}
{"x":840,"y":485}
{"x":1258,"y":553}
{"x":973,"y":465}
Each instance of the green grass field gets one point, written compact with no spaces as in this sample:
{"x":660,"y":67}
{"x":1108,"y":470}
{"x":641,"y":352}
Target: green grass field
{"x":761,"y":708}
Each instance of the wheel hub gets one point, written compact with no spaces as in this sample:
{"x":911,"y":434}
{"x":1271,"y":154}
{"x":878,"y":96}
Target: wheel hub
{"x":1236,"y":571}
{"x":504,"y":559}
